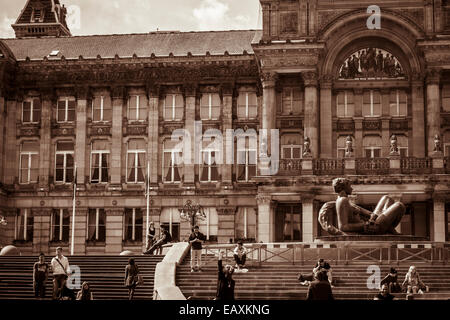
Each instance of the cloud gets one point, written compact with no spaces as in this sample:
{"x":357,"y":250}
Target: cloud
{"x":6,"y":31}
{"x":215,"y":15}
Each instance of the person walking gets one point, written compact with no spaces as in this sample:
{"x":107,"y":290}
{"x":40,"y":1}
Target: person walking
{"x":85,"y":293}
{"x":196,"y":239}
{"x":40,"y":276}
{"x":131,"y":277}
{"x":60,"y":269}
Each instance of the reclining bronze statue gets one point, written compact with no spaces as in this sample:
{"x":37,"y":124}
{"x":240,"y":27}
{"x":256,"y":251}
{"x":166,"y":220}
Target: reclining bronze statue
{"x":354,"y":219}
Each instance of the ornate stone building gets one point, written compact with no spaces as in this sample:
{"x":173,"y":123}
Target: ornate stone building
{"x":373,"y":103}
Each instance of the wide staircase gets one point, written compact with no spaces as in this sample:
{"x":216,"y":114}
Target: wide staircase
{"x":278,"y":281}
{"x":104,"y":273}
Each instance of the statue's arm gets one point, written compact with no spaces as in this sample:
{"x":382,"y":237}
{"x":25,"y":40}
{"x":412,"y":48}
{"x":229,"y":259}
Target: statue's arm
{"x":343,"y":210}
{"x":361,"y":211}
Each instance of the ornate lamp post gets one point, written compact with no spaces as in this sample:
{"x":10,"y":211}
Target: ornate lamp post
{"x":191,"y":212}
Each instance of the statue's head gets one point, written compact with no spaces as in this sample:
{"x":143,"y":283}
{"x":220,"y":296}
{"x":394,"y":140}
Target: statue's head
{"x":342,"y":184}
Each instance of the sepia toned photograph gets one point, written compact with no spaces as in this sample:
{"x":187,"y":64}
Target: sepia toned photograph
{"x":224,"y":150}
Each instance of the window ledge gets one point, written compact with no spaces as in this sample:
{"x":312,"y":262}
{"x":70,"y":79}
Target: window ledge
{"x":59,"y":242}
{"x":23,"y":243}
{"x":132,"y":243}
{"x":94,"y":243}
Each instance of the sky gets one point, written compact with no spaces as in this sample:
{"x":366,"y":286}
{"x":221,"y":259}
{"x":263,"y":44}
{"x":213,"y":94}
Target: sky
{"x":88,"y":17}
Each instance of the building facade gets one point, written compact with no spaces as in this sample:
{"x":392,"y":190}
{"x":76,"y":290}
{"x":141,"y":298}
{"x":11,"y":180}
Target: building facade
{"x":347,"y":96}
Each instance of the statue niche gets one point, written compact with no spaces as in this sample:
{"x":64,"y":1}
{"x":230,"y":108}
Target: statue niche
{"x":371,"y":63}
{"x":356,"y":220}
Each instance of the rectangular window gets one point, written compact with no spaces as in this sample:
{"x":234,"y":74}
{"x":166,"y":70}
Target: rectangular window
{"x":64,"y":162}
{"x":292,"y":101}
{"x":133,"y":224}
{"x":245,"y":224}
{"x":291,"y":152}
{"x":96,"y":225}
{"x":345,"y":104}
{"x":209,"y":171}
{"x":398,"y":103}
{"x":288,"y":223}
{"x":210,"y":106}
{"x":29,"y":162}
{"x":173,"y":107}
{"x":101,"y":109}
{"x":246,"y":162}
{"x":372,"y":152}
{"x":66,"y":109}
{"x":447,"y":149}
{"x":137,"y":108}
{"x":340,"y":153}
{"x":24,"y":225}
{"x":172,"y":162}
{"x":446,"y":95}
{"x":31,"y":110}
{"x":60,"y":225}
{"x":100,"y":162}
{"x":371,"y":103}
{"x":136,"y":161}
{"x":403,"y":152}
{"x":247,"y":105}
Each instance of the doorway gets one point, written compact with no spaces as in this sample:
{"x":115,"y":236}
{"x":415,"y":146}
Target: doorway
{"x":288,"y":222}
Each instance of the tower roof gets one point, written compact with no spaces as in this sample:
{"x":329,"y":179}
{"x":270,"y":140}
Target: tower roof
{"x":41,"y":18}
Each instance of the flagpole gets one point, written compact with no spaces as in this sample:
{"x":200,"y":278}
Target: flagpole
{"x":72,"y":247}
{"x":148,"y":197}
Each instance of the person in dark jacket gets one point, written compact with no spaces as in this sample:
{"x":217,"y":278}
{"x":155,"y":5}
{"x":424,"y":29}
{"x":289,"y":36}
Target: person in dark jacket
{"x":131,"y":277}
{"x":384,"y":294}
{"x":195,"y":239}
{"x":320,"y":289}
{"x":392,"y":282}
{"x":225,"y":282}
{"x":165,"y":238}
{"x":40,"y":276}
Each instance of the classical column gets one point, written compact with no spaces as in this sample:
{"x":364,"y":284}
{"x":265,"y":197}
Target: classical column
{"x":190,"y":90}
{"x":226,"y":217}
{"x":428,"y":19}
{"x":358,"y":119}
{"x":266,"y":218}
{"x":80,"y":229}
{"x":41,"y":230}
{"x":2,"y":126}
{"x":385,"y":137}
{"x":82,"y":94}
{"x":326,"y":122}
{"x":227,"y":124}
{"x":114,"y":230}
{"x":307,"y":218}
{"x":418,"y":118}
{"x":118,"y":98}
{"x":311,"y":111}
{"x":10,"y":162}
{"x":439,"y":218}
{"x":48,"y":98}
{"x":268,"y":117}
{"x":433,"y":107}
{"x":153,"y":131}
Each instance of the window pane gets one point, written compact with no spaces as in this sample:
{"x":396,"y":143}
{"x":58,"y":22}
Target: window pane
{"x":61,"y":110}
{"x":36,"y":110}
{"x":141,"y":167}
{"x":107,"y":115}
{"x":26,"y":112}
{"x":95,"y":167}
{"x":92,"y":218}
{"x":96,"y":109}
{"x":105,"y":167}
{"x":71,"y":111}
{"x":179,"y":112}
{"x":142,"y":108}
{"x":287,"y":153}
{"x":377,"y":109}
{"x":368,"y":153}
{"x":132,"y":108}
{"x":66,"y":225}
{"x":377,"y":153}
{"x":30,"y":222}
{"x":204,"y":112}
{"x":34,"y":167}
{"x":296,"y":153}
{"x":214,"y":173}
{"x":131,"y":167}
{"x":102,"y":225}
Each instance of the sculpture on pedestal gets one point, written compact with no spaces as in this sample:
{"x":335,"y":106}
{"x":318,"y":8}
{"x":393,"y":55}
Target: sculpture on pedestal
{"x":354,"y":219}
{"x":306,"y":148}
{"x":349,"y":147}
{"x":437,"y":143}
{"x":394,"y":145}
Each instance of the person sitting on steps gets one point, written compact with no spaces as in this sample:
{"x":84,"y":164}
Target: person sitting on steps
{"x":413,"y":283}
{"x":321,"y":265}
{"x":240,"y":255}
{"x":392,"y":282}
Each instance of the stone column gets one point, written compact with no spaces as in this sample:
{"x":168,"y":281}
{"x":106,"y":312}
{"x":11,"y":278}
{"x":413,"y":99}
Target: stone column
{"x":2,"y":126}
{"x":266,"y":218}
{"x":311,"y":111}
{"x":439,"y":218}
{"x":45,"y":147}
{"x":81,"y":215}
{"x":358,"y":118}
{"x":418,"y":118}
{"x":385,"y":137}
{"x":227,"y":124}
{"x":190,"y":94}
{"x":433,"y":107}
{"x":114,"y":230}
{"x":307,"y":218}
{"x":226,"y":222}
{"x":41,"y":230}
{"x":118,"y":97}
{"x":326,"y":122}
{"x":11,"y":160}
{"x":80,"y":140}
{"x":269,"y":106}
{"x":153,"y":131}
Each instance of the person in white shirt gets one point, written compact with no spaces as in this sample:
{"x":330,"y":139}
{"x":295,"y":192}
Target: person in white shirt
{"x":60,"y":268}
{"x":240,"y":255}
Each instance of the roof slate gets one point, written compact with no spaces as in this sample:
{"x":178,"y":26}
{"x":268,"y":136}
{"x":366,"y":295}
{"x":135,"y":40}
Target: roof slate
{"x":143,"y":45}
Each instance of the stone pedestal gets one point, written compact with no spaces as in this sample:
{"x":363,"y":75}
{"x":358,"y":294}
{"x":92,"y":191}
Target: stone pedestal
{"x":438,"y":162}
{"x":307,"y":165}
{"x":394,"y":164}
{"x":350,"y":166}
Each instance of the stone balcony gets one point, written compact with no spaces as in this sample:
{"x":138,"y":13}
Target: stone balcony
{"x":364,"y":166}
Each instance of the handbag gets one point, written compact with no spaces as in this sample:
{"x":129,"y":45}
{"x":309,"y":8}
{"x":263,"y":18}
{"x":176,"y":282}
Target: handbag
{"x":140,"y":279}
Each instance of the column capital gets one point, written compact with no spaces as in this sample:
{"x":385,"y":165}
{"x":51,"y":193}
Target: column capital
{"x":326,"y":81}
{"x":118,"y":92}
{"x":433,"y":76}
{"x":439,"y":196}
{"x":153,"y":89}
{"x":262,"y":199}
{"x":417,"y":79}
{"x":307,"y":197}
{"x":310,"y":78}
{"x":358,"y":91}
{"x":227,"y":88}
{"x":268,"y":79}
{"x":190,"y":89}
{"x":82,"y":92}
{"x":48,"y":94}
